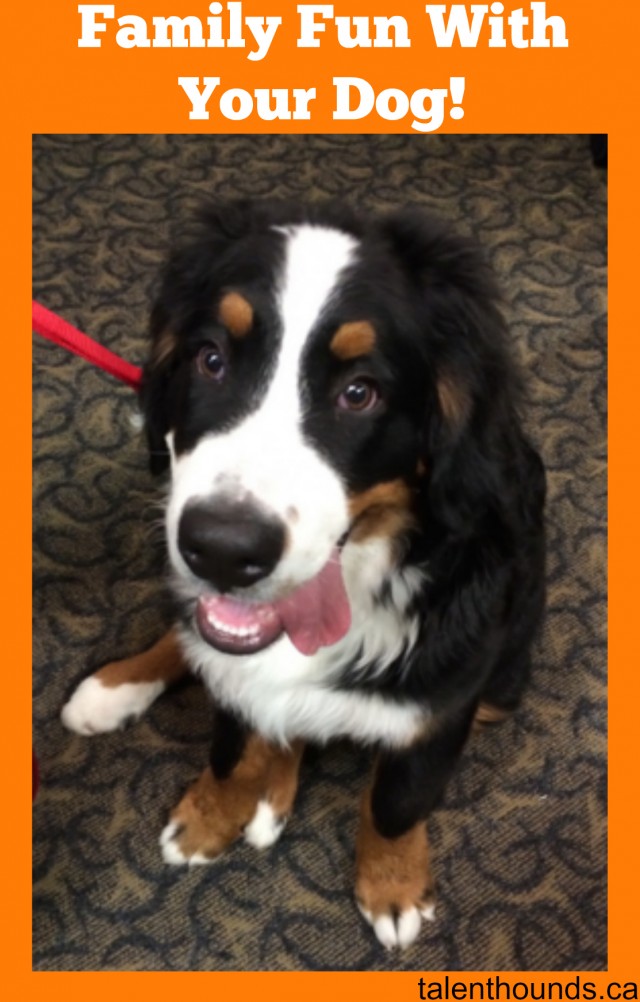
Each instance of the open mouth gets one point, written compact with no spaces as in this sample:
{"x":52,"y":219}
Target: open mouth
{"x":315,"y":615}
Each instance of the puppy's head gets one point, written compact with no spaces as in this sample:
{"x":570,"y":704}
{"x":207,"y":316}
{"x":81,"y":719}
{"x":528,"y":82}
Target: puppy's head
{"x":309,"y":376}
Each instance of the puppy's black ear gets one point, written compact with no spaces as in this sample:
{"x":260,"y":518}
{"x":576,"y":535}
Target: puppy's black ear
{"x":154,"y":392}
{"x":471,"y":430}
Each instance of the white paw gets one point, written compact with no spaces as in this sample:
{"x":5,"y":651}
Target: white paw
{"x":265,"y":827}
{"x":173,"y":854}
{"x":95,"y":708}
{"x":400,"y":931}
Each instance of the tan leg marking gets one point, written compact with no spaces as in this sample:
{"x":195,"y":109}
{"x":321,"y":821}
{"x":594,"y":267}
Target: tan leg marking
{"x":163,"y":662}
{"x":391,"y":874}
{"x":393,"y":882}
{"x":213,"y":813}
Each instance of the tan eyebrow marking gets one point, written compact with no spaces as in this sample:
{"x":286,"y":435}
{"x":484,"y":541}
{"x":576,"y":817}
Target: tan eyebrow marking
{"x":236,"y":314}
{"x":353,"y":339}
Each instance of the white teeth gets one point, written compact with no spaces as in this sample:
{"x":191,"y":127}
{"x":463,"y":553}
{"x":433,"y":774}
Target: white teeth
{"x":241,"y":632}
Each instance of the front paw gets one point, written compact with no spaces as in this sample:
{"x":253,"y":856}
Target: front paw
{"x":210,"y":816}
{"x":393,"y":884}
{"x":96,"y":708}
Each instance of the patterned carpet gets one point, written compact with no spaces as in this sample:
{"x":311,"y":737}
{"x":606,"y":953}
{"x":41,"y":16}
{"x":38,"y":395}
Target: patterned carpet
{"x":519,"y":850}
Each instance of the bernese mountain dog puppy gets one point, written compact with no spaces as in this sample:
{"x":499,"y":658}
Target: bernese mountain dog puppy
{"x":354,"y":524}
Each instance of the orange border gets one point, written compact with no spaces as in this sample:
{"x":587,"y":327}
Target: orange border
{"x":52,"y":86}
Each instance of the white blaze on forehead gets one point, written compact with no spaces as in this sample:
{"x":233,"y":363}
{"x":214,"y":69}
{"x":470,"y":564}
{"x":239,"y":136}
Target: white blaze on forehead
{"x":315,"y":259}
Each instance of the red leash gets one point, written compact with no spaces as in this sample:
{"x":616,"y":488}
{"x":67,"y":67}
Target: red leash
{"x":53,"y":327}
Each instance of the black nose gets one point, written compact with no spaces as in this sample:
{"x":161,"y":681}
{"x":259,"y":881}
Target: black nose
{"x":230,"y":545}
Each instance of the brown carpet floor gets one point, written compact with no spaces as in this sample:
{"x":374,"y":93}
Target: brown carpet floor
{"x":519,"y":844}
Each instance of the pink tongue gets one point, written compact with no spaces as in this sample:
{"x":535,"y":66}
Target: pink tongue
{"x":315,"y":615}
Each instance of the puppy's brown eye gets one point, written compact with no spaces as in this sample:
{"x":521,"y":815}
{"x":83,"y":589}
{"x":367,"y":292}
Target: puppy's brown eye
{"x":359,"y":395}
{"x":211,"y":362}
